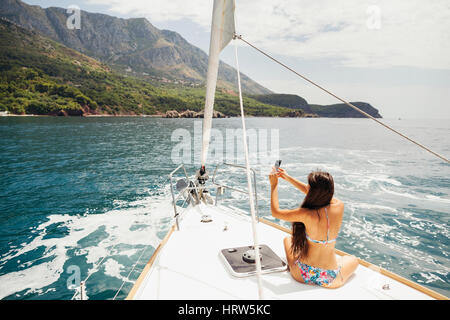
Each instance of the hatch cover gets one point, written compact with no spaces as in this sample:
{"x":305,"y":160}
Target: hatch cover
{"x":240,"y":261}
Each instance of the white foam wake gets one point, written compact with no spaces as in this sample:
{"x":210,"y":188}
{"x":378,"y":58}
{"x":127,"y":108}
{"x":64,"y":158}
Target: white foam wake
{"x":135,"y":226}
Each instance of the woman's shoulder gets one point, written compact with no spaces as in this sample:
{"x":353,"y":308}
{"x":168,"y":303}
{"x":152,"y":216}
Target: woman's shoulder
{"x":336,"y":204}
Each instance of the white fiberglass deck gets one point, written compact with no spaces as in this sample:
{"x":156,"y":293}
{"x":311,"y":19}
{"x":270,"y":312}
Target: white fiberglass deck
{"x":189,"y":267}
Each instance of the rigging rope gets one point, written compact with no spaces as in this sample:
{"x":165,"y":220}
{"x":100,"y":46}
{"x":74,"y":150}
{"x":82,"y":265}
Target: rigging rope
{"x":250,"y":188}
{"x":95,"y":269}
{"x":128,"y":276}
{"x":236,"y":36}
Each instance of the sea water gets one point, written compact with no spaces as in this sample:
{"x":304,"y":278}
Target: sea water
{"x":89,"y":197}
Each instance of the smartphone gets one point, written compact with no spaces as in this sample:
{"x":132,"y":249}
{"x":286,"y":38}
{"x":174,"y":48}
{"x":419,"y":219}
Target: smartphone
{"x":277,"y":164}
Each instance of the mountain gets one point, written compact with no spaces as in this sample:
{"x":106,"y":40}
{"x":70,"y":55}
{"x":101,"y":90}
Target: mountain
{"x":292,"y":101}
{"x":341,"y":110}
{"x":42,"y":76}
{"x":130,"y":46}
{"x":101,"y":74}
{"x":296,"y":102}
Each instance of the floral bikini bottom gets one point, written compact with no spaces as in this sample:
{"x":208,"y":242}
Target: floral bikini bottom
{"x":317,"y":276}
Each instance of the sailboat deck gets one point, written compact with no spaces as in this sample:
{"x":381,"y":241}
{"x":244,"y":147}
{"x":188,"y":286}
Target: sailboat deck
{"x":188,"y":266}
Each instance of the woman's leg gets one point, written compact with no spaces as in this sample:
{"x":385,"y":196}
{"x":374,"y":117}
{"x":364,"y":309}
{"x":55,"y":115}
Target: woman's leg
{"x":293,"y":268}
{"x":348,"y":266}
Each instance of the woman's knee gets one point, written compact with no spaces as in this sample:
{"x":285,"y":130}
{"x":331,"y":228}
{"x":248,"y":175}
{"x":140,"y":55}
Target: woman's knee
{"x":348,"y":266}
{"x":350,"y":261}
{"x":353,"y":262}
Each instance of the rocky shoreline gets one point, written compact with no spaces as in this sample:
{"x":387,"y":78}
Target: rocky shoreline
{"x":168,"y":114}
{"x":191,"y":114}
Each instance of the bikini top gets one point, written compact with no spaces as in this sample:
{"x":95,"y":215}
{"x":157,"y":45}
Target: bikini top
{"x":328,"y":231}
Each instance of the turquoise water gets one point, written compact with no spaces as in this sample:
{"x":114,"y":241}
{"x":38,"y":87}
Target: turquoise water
{"x":76,"y":190}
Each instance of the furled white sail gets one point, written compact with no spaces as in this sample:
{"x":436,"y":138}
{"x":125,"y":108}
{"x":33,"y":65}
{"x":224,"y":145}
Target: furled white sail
{"x":222,"y":30}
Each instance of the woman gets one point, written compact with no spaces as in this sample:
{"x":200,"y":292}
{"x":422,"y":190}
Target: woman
{"x":315,"y":225}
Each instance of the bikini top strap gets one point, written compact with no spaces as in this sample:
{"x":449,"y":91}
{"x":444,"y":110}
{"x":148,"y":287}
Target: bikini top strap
{"x":328,"y":231}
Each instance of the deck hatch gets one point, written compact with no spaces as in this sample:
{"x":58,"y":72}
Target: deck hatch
{"x":234,"y":261}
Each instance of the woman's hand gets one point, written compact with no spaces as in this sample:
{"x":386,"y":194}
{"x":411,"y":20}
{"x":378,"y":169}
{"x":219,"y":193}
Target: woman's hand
{"x":282,"y":174}
{"x":273,"y":178}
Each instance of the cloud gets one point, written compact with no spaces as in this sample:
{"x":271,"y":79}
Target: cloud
{"x":198,"y":11}
{"x":374,"y":34}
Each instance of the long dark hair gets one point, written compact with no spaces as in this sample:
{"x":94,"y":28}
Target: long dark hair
{"x":321,"y":190}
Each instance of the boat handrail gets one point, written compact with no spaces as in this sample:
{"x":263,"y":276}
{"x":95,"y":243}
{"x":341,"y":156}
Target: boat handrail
{"x":214,"y":182}
{"x":190,"y":187}
{"x":178,"y":168}
{"x":174,"y":199}
{"x":236,"y":189}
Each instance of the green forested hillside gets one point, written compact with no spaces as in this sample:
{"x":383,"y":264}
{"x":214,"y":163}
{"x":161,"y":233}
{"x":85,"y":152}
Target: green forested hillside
{"x":130,"y":46}
{"x":297,"y":103}
{"x":292,"y":101}
{"x":41,"y":76}
{"x":341,"y":110}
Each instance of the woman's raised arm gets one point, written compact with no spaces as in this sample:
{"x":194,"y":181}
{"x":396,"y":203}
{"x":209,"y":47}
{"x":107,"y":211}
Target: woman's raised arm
{"x":291,"y":215}
{"x":299,"y":185}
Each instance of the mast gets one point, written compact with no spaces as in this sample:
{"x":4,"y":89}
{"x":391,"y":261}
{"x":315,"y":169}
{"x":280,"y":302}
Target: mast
{"x":222,"y":32}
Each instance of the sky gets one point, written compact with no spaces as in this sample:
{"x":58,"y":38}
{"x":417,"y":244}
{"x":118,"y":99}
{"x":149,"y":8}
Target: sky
{"x":393,"y":54}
